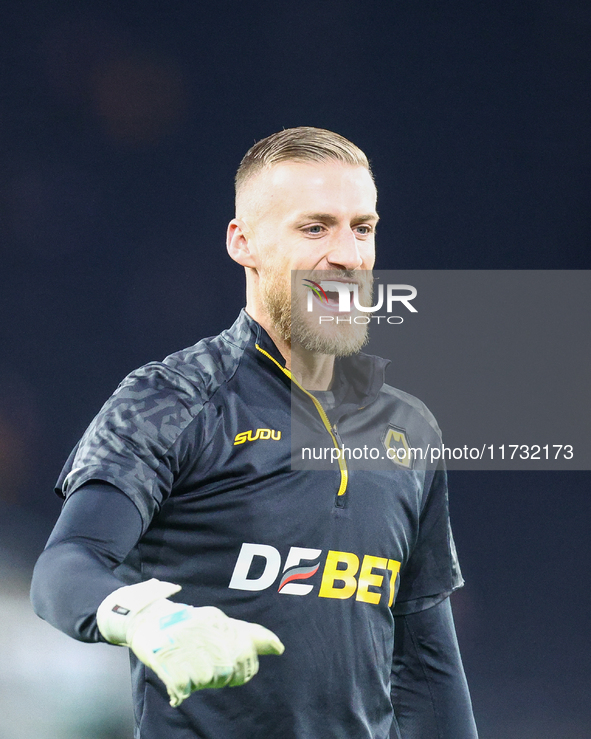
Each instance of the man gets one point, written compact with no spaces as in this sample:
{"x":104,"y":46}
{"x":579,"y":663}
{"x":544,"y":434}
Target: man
{"x":187,"y":481}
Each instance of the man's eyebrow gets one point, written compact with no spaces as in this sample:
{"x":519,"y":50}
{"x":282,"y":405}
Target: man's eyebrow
{"x":332,"y":219}
{"x":368,"y":217}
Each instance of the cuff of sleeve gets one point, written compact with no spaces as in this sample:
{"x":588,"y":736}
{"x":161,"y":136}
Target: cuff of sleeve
{"x":146,"y":506}
{"x":417,"y":605}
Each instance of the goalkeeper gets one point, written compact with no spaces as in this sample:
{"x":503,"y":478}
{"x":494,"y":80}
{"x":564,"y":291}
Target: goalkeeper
{"x":259,"y":599}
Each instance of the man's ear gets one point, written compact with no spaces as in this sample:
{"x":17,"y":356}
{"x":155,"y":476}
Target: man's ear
{"x":238,"y":243}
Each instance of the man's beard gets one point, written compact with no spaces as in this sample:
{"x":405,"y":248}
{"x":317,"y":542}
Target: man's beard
{"x":297,"y":328}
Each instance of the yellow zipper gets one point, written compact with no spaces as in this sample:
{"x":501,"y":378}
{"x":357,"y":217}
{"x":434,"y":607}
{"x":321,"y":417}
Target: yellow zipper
{"x":325,"y":421}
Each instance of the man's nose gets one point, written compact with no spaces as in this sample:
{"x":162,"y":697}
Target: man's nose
{"x":344,"y":253}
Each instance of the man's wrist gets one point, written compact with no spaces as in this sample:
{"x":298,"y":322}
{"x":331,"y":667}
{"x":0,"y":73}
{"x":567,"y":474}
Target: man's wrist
{"x":118,"y":610}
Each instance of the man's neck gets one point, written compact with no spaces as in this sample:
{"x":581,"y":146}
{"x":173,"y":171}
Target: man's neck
{"x":311,"y":370}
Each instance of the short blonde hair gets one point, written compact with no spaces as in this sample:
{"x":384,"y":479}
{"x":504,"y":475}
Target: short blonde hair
{"x":302,"y":144}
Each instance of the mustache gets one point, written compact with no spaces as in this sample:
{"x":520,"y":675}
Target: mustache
{"x":363,"y":278}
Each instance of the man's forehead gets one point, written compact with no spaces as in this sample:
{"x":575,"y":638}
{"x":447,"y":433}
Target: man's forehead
{"x":289,"y":172}
{"x":312,"y":187}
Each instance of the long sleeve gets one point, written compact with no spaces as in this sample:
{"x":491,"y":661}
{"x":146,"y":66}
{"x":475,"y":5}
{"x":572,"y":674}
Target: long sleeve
{"x":429,"y":689}
{"x":98,"y":527}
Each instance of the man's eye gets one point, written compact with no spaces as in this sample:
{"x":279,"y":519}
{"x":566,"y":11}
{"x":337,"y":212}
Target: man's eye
{"x":363,"y":230}
{"x":317,"y":229}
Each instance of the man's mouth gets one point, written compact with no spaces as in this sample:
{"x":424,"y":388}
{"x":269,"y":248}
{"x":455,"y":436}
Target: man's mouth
{"x":339,"y":294}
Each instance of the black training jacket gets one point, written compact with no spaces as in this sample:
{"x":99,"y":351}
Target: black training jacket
{"x":245,"y":505}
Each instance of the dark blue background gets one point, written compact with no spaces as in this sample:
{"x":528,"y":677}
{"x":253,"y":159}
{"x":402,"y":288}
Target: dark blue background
{"x":121,"y":126}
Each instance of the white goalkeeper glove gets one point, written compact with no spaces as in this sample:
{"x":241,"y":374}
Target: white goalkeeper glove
{"x":188,"y":648}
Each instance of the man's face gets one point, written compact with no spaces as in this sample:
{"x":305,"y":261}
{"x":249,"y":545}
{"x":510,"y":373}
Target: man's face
{"x":319,"y":219}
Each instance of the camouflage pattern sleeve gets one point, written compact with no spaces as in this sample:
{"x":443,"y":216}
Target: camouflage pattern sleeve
{"x":132,"y":441}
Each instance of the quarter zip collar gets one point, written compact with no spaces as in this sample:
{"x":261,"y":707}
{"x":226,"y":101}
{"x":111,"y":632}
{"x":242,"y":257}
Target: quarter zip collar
{"x":357,"y":379}
{"x":357,"y":382}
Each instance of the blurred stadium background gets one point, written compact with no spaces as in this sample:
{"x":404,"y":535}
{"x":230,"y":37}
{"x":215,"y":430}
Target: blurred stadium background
{"x":121,"y":126}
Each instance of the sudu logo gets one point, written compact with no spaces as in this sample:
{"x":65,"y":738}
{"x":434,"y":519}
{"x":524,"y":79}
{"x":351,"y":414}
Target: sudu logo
{"x":252,"y":435}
